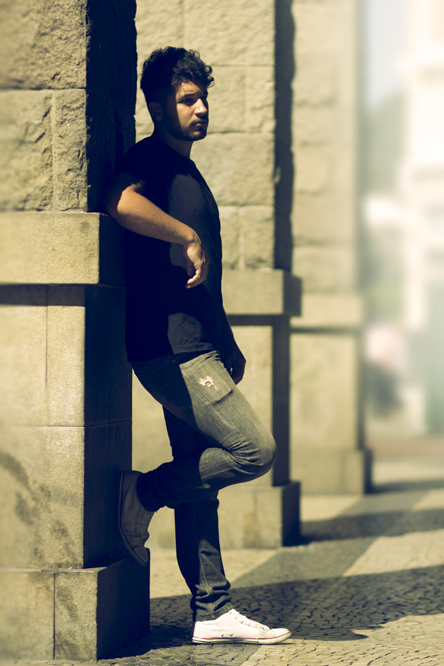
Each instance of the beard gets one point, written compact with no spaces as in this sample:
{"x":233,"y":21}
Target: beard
{"x":191,"y":133}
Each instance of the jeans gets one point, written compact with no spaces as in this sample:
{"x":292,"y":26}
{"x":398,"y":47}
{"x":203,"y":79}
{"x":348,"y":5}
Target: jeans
{"x":217,"y":440}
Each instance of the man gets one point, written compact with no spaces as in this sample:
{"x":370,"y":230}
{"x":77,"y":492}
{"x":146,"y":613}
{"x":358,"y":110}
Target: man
{"x":181,"y":346}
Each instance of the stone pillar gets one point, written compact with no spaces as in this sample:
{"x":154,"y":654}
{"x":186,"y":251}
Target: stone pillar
{"x":328,"y":453}
{"x":67,"y":590}
{"x":237,"y":159}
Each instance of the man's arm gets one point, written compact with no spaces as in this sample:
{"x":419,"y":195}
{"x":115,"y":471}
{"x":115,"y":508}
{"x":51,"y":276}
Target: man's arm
{"x":125,"y":203}
{"x":232,"y":357}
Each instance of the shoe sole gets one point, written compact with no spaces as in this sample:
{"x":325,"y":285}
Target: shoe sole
{"x":127,"y":545}
{"x":256,"y":641}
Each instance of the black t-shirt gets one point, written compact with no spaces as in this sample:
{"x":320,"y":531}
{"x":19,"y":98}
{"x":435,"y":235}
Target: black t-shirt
{"x":162,"y":316}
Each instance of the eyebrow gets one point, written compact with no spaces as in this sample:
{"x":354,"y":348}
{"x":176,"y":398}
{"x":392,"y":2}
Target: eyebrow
{"x":191,"y":94}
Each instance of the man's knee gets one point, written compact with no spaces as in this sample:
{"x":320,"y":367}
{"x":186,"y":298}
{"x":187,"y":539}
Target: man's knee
{"x":266,"y":454}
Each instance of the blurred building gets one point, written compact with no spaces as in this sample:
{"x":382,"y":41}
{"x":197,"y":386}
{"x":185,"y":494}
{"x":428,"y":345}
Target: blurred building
{"x":422,"y":193}
{"x":405,"y":215}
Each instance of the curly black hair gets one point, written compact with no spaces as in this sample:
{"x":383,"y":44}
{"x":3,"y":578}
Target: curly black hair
{"x":166,"y":68}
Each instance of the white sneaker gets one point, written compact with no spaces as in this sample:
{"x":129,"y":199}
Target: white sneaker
{"x":232,"y":627}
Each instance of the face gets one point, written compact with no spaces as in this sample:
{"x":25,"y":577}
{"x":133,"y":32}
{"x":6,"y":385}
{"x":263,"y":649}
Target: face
{"x":185,"y":115}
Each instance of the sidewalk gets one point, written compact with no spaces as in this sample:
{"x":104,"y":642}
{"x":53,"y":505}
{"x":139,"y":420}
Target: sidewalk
{"x":367,"y":587}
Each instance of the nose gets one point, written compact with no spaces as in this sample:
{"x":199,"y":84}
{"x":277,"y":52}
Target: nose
{"x":201,"y":108}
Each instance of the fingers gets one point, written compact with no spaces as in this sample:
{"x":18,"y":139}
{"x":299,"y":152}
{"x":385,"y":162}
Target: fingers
{"x":237,"y":371}
{"x":197,"y":264}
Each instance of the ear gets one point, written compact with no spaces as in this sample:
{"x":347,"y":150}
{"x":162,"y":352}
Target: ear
{"x":156,"y":111}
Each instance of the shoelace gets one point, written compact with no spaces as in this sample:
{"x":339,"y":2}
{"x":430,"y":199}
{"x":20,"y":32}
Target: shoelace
{"x":245,"y":620}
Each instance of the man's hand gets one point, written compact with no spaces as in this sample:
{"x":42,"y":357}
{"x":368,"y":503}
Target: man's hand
{"x":197,"y":262}
{"x":235,"y":363}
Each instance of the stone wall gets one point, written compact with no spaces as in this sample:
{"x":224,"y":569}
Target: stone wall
{"x":327,"y":445}
{"x":66,"y":103}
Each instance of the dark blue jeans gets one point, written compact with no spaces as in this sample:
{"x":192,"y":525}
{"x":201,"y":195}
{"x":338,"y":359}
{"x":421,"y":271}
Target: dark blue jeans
{"x":217,"y":440}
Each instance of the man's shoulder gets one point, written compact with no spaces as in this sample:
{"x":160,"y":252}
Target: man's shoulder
{"x":145,"y":160}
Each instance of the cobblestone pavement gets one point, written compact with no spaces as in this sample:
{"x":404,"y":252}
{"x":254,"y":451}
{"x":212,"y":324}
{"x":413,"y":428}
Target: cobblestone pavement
{"x":366,"y":588}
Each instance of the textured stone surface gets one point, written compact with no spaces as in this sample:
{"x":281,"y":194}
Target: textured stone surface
{"x":231,"y":33}
{"x":256,"y":343}
{"x":247,"y":236}
{"x":315,"y":79}
{"x":26,"y":614}
{"x":99,"y":609}
{"x":257,"y":517}
{"x":23,"y":363}
{"x":322,"y":218}
{"x":46,"y":247}
{"x":26,"y":150}
{"x":228,"y":100}
{"x":260,"y":94}
{"x":237,"y":167}
{"x":69,"y":149}
{"x":44,"y":44}
{"x":313,"y":126}
{"x":326,"y":268}
{"x":257,"y":237}
{"x":330,"y":310}
{"x":331,"y":472}
{"x":260,"y":292}
{"x":71,"y":248}
{"x":42,"y":480}
{"x":324,"y":139}
{"x":323,"y":392}
{"x":66,"y":365}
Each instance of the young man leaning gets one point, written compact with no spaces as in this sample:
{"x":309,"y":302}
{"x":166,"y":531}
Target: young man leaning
{"x":181,"y":345}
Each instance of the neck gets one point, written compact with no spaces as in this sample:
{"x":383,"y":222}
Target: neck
{"x":182,"y":147}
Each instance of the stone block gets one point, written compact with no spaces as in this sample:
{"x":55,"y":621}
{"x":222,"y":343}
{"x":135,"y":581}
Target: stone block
{"x":235,"y":32}
{"x":256,"y":343}
{"x":42,"y":477}
{"x":247,"y":236}
{"x":330,"y":311}
{"x":151,"y":445}
{"x":315,"y":79}
{"x":258,"y":517}
{"x":260,"y":99}
{"x":257,"y":236}
{"x":23,"y":362}
{"x":261,"y":292}
{"x":314,"y":166}
{"x":158,"y":25}
{"x":42,"y":248}
{"x":26,"y":165}
{"x":44,"y":45}
{"x":57,"y":248}
{"x":230,"y":232}
{"x":26,"y":614}
{"x":100,"y":609}
{"x":314,"y":21}
{"x":69,"y":150}
{"x":327,"y":472}
{"x":324,"y":218}
{"x":228,"y":100}
{"x":326,"y":268}
{"x":238,"y":167}
{"x":314,"y":125}
{"x":324,"y":393}
{"x":66,"y":365}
